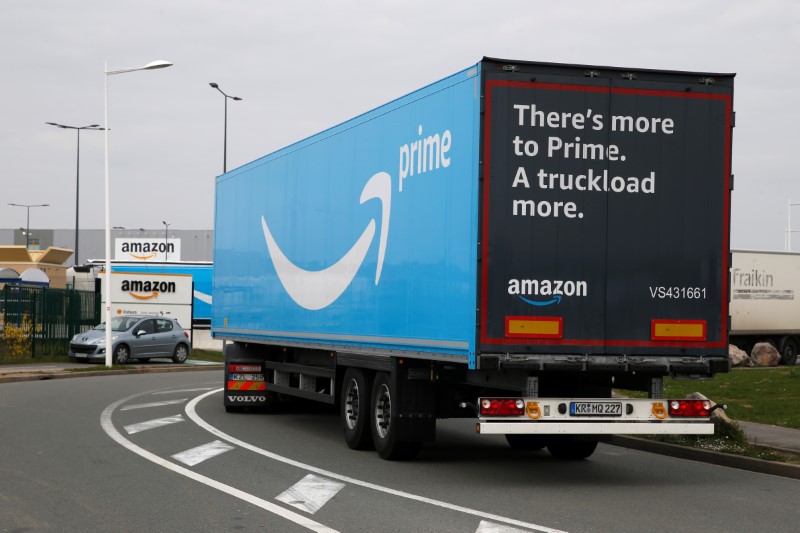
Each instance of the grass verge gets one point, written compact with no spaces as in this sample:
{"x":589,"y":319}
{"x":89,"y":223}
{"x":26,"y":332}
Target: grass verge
{"x":762,"y":395}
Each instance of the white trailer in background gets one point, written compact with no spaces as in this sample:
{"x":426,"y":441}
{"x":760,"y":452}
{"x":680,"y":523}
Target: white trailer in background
{"x":765,"y":301}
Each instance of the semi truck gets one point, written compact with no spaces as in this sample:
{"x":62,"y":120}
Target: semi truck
{"x":765,"y":301}
{"x":507,"y":245}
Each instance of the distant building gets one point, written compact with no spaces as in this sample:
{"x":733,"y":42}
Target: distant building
{"x":42,"y":268}
{"x":145,"y":244}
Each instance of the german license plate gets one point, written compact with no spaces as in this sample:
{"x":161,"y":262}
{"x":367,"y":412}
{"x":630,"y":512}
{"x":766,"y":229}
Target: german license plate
{"x":247,"y":377}
{"x":595,"y":409}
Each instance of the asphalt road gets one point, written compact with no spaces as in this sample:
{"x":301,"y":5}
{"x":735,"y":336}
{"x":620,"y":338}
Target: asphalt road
{"x":157,"y":452}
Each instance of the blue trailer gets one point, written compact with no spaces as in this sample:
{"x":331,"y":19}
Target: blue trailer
{"x":504,"y":244}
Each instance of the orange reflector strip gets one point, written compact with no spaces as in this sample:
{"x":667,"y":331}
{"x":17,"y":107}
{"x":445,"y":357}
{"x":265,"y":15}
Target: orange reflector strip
{"x":535,"y":327}
{"x":678,"y":330}
{"x":247,"y":385}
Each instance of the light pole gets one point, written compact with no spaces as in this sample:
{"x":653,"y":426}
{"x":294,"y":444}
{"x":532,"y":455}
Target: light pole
{"x":225,"y":137}
{"x":77,"y":176}
{"x":107,"y":267}
{"x":28,"y":223}
{"x":166,"y":242}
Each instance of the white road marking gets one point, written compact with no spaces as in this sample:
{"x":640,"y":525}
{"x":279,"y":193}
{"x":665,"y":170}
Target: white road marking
{"x":178,"y":391}
{"x":154,"y":404}
{"x":491,"y":527}
{"x":152,"y":424}
{"x":108,"y":427}
{"x":310,"y":493}
{"x":197,"y":455}
{"x":192,"y":414}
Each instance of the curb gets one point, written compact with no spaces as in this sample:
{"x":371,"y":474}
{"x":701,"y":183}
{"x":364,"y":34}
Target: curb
{"x":63,"y":374}
{"x":706,"y":456}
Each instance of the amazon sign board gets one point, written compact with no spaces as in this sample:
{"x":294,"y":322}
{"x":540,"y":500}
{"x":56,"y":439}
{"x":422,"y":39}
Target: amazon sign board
{"x":152,"y":294}
{"x":147,"y":250}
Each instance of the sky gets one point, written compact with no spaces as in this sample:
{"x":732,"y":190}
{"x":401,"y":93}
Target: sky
{"x":301,"y":66}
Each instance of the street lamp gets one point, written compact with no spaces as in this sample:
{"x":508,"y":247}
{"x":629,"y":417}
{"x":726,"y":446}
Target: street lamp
{"x":225,"y":138}
{"x":107,"y":282}
{"x":28,"y":224}
{"x":166,"y":242}
{"x":77,"y":176}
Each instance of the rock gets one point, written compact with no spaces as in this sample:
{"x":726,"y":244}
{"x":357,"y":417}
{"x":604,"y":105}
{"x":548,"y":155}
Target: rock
{"x":739,"y":357}
{"x":765,"y":354}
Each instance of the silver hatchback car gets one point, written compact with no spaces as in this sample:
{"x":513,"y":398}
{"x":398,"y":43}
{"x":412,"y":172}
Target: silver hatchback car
{"x":133,"y":337}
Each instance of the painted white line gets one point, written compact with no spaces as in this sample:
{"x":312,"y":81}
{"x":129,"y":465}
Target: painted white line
{"x":491,"y":527}
{"x":178,"y":391}
{"x":192,"y":414}
{"x":310,"y":493}
{"x":152,"y":424}
{"x":197,"y":455}
{"x":108,"y":427}
{"x":154,"y":404}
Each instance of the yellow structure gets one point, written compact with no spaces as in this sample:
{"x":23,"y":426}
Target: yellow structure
{"x":50,"y":262}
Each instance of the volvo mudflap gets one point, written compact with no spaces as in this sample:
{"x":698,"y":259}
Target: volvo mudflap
{"x":245,"y":385}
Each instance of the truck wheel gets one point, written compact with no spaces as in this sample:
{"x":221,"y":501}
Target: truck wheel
{"x":788,"y":350}
{"x":384,"y":422}
{"x":569,"y":449}
{"x":121,"y":355}
{"x":525,"y":442}
{"x":355,"y":410}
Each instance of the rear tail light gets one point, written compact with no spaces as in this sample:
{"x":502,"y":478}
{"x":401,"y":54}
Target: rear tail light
{"x":690,"y":407}
{"x":245,"y":369}
{"x":186,"y":334}
{"x":502,"y":407}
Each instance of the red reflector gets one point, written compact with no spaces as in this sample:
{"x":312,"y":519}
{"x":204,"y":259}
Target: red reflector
{"x":689,"y":407}
{"x":245,"y":368}
{"x":502,"y":407}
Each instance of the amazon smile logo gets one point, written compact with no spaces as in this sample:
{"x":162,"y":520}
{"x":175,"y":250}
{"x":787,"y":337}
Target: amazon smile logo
{"x":544,"y":292}
{"x":146,"y":290}
{"x":317,"y":289}
{"x":147,"y":250}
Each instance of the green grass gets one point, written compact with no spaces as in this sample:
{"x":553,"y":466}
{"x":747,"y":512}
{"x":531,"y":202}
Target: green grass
{"x":763,"y":395}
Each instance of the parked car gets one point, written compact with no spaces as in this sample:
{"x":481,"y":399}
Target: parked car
{"x":133,"y":337}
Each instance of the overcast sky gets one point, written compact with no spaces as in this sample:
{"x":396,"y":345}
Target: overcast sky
{"x":302,"y":66}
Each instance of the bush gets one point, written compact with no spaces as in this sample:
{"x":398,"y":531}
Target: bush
{"x":17,"y":339}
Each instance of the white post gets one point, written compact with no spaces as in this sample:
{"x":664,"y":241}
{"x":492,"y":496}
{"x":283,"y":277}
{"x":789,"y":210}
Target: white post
{"x":107,"y":277}
{"x":107,"y":281}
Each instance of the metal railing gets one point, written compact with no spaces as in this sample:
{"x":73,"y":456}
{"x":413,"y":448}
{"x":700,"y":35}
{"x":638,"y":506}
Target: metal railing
{"x":47,"y":317}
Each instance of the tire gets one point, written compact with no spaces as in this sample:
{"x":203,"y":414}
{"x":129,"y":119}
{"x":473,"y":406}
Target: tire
{"x":526,"y":443}
{"x":180,"y":354}
{"x":355,"y":410}
{"x":384,"y":423}
{"x":122,"y":355}
{"x":568,"y":449}
{"x":788,"y":350}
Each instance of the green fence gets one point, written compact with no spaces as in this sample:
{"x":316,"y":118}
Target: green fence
{"x":51,"y":316}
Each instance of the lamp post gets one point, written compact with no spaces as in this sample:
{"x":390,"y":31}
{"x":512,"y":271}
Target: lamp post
{"x":166,"y":242}
{"x":107,"y":267}
{"x":77,"y":176}
{"x":225,"y":137}
{"x":28,"y":223}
